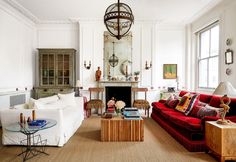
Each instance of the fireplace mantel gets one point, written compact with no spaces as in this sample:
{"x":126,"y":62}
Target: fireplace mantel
{"x":105,"y":83}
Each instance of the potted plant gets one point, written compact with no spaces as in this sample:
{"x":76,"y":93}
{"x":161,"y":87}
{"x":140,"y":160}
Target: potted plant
{"x":136,"y":73}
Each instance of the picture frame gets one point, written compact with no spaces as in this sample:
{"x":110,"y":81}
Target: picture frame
{"x":169,"y":71}
{"x":229,"y":56}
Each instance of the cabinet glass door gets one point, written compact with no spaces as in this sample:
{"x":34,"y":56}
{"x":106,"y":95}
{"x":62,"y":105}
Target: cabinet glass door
{"x":63,"y":69}
{"x":47,"y":70}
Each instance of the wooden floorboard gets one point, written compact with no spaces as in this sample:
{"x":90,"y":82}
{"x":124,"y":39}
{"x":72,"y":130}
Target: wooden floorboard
{"x":85,"y":146}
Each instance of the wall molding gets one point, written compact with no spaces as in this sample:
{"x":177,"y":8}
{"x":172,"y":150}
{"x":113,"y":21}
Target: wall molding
{"x":22,"y":10}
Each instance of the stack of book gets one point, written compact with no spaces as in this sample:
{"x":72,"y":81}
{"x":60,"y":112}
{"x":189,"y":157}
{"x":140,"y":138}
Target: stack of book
{"x":131,"y":114}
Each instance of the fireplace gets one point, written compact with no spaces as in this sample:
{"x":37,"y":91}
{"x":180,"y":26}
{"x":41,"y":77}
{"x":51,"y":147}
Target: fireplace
{"x":121,"y":90}
{"x":119,"y":93}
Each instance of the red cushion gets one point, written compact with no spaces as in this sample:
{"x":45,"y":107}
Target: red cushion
{"x":181,"y":120}
{"x":232,"y":105}
{"x":181,"y":93}
{"x":160,"y":106}
{"x":195,"y":110}
{"x":205,"y":98}
{"x":215,"y":101}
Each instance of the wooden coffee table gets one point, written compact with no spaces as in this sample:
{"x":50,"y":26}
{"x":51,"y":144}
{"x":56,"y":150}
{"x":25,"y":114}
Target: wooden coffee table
{"x":119,"y":129}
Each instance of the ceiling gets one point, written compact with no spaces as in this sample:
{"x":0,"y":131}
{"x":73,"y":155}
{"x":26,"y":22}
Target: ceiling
{"x":166,"y":11}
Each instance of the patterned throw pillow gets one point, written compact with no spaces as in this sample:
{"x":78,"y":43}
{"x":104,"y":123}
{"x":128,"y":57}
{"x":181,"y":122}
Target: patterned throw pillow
{"x":193,"y":102}
{"x":209,"y":111}
{"x":184,"y":103}
{"x":217,"y":109}
{"x":195,"y":110}
{"x":172,"y":101}
{"x":202,"y":103}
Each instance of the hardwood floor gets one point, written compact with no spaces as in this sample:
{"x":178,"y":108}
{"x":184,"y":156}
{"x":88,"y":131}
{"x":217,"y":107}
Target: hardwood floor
{"x":85,"y":146}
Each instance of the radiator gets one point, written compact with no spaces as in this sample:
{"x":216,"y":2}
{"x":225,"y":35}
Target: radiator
{"x":17,"y":99}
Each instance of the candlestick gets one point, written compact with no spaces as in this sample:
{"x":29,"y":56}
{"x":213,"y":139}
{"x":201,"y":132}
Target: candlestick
{"x":126,"y":70}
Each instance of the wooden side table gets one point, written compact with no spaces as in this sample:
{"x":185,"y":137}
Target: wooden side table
{"x":221,"y":140}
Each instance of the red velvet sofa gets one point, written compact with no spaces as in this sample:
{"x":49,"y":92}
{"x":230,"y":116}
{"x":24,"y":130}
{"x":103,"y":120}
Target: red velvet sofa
{"x":188,"y":130}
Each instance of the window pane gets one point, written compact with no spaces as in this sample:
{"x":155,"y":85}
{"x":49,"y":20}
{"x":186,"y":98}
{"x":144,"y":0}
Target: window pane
{"x":203,"y":73}
{"x":213,"y":72}
{"x":204,"y":44}
{"x":214,"y":41}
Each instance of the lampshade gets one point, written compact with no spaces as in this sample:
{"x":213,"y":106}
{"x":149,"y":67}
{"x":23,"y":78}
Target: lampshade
{"x":225,"y":88}
{"x":78,"y":83}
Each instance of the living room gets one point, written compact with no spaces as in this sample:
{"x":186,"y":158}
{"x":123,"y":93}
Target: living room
{"x":164,"y":35}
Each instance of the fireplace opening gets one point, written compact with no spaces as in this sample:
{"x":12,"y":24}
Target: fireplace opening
{"x":119,"y":93}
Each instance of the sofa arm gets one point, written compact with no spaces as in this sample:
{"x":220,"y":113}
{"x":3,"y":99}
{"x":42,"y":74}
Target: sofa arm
{"x":13,"y":115}
{"x":162,"y":101}
{"x":207,"y":118}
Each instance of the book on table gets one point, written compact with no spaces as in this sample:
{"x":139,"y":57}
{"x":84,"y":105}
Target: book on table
{"x":131,"y":115}
{"x":130,"y":109}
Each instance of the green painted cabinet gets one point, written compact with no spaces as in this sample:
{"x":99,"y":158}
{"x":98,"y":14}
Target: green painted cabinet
{"x":56,"y":71}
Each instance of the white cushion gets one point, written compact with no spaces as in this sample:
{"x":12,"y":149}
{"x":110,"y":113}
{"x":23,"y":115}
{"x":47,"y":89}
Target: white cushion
{"x":50,"y":99}
{"x":54,"y":105}
{"x":68,"y":98}
{"x":38,"y":105}
{"x":31,"y":103}
{"x":21,"y":106}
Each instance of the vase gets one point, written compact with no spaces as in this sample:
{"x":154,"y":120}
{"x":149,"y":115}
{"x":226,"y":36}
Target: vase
{"x":118,"y":112}
{"x":136,"y":78}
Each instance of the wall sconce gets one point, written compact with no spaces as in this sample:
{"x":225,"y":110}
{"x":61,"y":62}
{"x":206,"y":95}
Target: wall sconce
{"x":87,"y":66}
{"x":148,"y":67}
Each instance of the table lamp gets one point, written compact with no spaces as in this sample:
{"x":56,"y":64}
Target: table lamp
{"x":77,"y":87}
{"x":226,"y":89}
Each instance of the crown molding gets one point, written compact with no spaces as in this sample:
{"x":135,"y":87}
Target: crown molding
{"x":56,"y":22}
{"x":22,"y":10}
{"x":202,"y":11}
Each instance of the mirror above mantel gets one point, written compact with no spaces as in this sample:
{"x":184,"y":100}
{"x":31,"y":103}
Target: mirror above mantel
{"x":117,"y":56}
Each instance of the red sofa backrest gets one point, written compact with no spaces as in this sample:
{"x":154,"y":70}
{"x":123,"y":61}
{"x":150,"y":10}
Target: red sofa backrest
{"x":205,"y":98}
{"x":232,"y":105}
{"x":214,"y":101}
{"x":181,"y":93}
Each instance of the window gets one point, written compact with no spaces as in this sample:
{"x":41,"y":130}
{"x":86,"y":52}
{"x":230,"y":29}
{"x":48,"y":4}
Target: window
{"x":208,"y":58}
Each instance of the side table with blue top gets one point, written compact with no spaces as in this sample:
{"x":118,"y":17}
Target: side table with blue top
{"x":32,"y":140}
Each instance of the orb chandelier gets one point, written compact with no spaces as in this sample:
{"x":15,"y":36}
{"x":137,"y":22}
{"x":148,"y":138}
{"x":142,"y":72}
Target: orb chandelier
{"x":118,"y":19}
{"x":113,"y":60}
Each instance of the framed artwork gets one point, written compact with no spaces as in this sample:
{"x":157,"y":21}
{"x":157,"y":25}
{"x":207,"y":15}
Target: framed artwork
{"x":169,"y":71}
{"x":228,"y":56}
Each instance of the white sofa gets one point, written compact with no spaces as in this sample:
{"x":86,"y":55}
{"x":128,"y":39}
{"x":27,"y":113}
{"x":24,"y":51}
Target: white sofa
{"x":67,"y":111}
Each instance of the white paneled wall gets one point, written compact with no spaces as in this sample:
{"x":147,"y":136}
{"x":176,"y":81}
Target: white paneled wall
{"x":91,"y":49}
{"x":58,"y":35}
{"x":170,"y":50}
{"x":17,"y":47}
{"x":150,"y":42}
